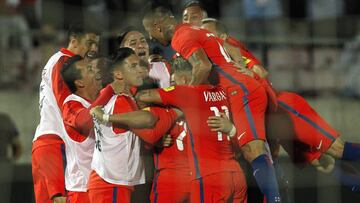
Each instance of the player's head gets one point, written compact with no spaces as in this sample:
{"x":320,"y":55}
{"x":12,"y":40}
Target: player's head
{"x":126,"y":67}
{"x":193,"y":13}
{"x":182,"y":71}
{"x":82,"y":76}
{"x":160,"y":24}
{"x":132,"y":38}
{"x":216,"y":27}
{"x":82,"y":41}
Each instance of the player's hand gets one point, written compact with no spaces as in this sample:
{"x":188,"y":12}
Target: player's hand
{"x":118,"y":86}
{"x":324,"y":164}
{"x":220,"y":123}
{"x":59,"y":199}
{"x":167,"y":141}
{"x":98,"y":113}
{"x":245,"y":71}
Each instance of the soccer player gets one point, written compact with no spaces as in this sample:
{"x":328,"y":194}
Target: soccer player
{"x":172,"y":175}
{"x":247,"y":97}
{"x":83,"y":78}
{"x":216,"y":176}
{"x":193,"y":13}
{"x":314,"y":139}
{"x":84,"y":81}
{"x":158,"y":71}
{"x":48,"y":152}
{"x":117,"y":165}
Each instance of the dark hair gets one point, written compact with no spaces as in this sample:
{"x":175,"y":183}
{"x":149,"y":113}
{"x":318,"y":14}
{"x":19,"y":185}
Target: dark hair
{"x":179,"y":64}
{"x":119,"y":57}
{"x":219,"y":26}
{"x":194,"y":3}
{"x":78,"y":30}
{"x":120,"y":38}
{"x":157,"y":13}
{"x":70,"y":73}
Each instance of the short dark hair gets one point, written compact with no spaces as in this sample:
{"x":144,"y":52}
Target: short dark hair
{"x":179,"y":64}
{"x":119,"y":57}
{"x":157,"y":13}
{"x":70,"y":73}
{"x":120,"y":38}
{"x":219,"y":26}
{"x":78,"y":30}
{"x":194,"y":3}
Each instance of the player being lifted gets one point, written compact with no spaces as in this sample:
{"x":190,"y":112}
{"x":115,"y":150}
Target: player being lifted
{"x":247,"y":98}
{"x":322,"y":142}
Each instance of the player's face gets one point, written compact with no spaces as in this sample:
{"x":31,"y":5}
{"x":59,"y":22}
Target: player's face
{"x":137,"y":42}
{"x":88,"y":45}
{"x":193,"y":15}
{"x":210,"y":27}
{"x":132,"y":72}
{"x":168,"y":28}
{"x":153,"y":31}
{"x":91,"y":77}
{"x":161,"y":31}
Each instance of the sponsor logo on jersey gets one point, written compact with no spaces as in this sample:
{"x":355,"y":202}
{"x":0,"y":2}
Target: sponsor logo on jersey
{"x":168,"y":89}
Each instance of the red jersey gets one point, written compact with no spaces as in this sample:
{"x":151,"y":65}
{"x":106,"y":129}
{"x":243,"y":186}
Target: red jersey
{"x":249,"y":59}
{"x":209,"y":151}
{"x":175,"y":156}
{"x":60,"y":89}
{"x":187,"y":39}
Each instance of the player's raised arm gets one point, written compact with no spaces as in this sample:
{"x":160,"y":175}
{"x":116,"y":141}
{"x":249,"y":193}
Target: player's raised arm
{"x":201,"y":67}
{"x":149,"y":96}
{"x":135,"y":119}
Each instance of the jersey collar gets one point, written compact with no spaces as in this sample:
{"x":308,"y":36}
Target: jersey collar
{"x":67,"y":52}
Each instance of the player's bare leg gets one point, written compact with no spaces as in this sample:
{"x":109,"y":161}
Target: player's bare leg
{"x":59,"y":199}
{"x":253,"y":149}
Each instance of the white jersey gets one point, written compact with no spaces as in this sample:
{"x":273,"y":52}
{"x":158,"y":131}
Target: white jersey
{"x":117,"y":157}
{"x":78,"y":156}
{"x":50,"y":115}
{"x":159,"y":72}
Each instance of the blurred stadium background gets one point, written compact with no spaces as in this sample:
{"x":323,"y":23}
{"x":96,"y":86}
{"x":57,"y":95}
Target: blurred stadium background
{"x":310,"y":46}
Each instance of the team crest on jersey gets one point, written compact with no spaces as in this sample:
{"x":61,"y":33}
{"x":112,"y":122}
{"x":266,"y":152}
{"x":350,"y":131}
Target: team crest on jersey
{"x":168,"y":89}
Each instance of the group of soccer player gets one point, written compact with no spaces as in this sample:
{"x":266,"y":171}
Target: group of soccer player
{"x":194,"y":113}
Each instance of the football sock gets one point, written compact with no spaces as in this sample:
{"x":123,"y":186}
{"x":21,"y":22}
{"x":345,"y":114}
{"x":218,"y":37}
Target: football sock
{"x":351,"y":151}
{"x":264,"y":174}
{"x":347,"y":179}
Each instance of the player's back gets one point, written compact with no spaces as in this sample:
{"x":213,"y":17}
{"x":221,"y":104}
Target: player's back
{"x":187,"y":39}
{"x":209,"y":151}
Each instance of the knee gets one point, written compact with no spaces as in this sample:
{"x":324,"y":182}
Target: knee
{"x":253,"y":149}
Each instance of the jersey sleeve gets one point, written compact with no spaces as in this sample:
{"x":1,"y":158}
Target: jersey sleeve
{"x":166,"y":119}
{"x":60,"y":89}
{"x":122,"y":105}
{"x":74,"y":120}
{"x":71,"y":110}
{"x":186,"y":42}
{"x":174,"y":96}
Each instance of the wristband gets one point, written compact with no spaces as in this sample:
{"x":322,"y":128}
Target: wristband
{"x":232,"y":131}
{"x":106,"y":117}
